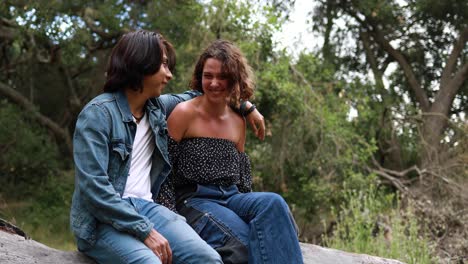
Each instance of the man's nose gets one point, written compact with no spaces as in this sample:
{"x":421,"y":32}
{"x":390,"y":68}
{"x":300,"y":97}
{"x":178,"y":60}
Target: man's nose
{"x":168,"y":74}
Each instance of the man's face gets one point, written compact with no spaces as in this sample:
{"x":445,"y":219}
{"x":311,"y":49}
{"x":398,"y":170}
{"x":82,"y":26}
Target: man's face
{"x":155,"y":83}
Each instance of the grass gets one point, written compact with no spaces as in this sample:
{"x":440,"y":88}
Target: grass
{"x":370,"y":223}
{"x":43,"y":214}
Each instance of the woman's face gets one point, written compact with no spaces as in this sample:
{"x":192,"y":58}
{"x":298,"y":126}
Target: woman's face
{"x":214,"y":80}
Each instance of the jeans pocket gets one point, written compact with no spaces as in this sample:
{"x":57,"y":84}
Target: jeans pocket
{"x":82,"y":245}
{"x":210,"y":230}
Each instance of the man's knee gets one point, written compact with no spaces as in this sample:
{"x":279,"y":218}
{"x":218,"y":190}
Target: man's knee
{"x":197,"y":252}
{"x":208,"y":255}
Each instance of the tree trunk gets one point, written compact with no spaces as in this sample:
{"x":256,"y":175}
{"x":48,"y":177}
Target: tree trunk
{"x":432,"y":132}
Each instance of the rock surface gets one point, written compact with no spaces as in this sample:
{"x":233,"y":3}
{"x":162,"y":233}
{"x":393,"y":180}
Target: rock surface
{"x":319,"y":255}
{"x":15,"y":249}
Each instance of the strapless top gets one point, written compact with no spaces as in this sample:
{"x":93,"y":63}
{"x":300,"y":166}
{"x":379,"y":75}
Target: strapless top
{"x":206,"y":161}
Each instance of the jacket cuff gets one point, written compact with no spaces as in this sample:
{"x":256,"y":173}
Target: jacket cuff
{"x":142,"y":230}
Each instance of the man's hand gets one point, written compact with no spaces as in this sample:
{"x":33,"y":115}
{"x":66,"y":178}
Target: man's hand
{"x":160,"y":246}
{"x":257,"y":123}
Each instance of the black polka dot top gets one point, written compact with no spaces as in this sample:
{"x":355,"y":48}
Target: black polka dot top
{"x":204,"y":160}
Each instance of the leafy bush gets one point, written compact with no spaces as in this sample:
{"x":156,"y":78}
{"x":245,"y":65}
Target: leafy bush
{"x":27,"y":156}
{"x":374,"y":223}
{"x":312,"y":147}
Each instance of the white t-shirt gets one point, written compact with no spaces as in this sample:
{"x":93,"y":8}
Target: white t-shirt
{"x":139,"y":182}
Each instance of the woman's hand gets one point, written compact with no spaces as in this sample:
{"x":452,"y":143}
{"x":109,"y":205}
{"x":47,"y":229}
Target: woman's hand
{"x":256,"y":122}
{"x":160,"y":246}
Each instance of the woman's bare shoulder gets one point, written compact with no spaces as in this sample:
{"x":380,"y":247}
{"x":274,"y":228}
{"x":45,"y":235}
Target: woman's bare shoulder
{"x":237,"y":119}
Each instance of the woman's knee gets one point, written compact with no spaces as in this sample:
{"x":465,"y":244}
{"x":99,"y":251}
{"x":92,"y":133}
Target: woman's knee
{"x":273,"y":200}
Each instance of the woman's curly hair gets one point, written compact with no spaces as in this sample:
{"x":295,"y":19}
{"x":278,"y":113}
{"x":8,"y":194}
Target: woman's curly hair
{"x":234,"y":66}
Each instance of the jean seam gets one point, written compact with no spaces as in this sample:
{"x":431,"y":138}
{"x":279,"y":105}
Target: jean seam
{"x":261,"y":242}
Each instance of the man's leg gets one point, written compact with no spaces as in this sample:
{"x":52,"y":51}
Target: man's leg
{"x":273,"y":234}
{"x":115,"y":247}
{"x":186,"y":244}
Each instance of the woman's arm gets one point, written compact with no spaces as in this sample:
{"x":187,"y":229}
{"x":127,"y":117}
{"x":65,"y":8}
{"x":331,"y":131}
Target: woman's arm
{"x":256,"y":121}
{"x":242,"y":130}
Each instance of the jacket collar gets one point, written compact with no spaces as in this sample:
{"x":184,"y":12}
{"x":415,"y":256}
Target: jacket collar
{"x":124,"y":107}
{"x":122,"y":104}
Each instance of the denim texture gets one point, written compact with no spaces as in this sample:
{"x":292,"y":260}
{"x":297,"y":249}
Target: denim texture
{"x":115,"y":247}
{"x":232,"y":222}
{"x":102,"y":142}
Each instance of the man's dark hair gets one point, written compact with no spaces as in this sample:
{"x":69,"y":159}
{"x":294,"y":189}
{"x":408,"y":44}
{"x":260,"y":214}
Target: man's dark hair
{"x":136,"y":55}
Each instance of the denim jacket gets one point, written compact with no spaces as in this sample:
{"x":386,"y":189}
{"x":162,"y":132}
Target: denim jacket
{"x":102,"y":142}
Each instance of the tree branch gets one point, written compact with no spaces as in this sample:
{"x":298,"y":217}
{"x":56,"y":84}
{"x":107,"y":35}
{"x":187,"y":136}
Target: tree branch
{"x":447,"y":93}
{"x":452,"y":59}
{"x":89,"y":15}
{"x":23,"y":102}
{"x":379,"y":38}
{"x":420,"y":94}
{"x":371,"y":58}
{"x":7,"y":29}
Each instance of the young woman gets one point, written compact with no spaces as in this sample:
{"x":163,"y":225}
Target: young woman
{"x":211,"y":181}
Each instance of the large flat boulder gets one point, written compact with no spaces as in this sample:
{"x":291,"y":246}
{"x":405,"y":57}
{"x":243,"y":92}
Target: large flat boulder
{"x":16,"y":249}
{"x":314,"y":254}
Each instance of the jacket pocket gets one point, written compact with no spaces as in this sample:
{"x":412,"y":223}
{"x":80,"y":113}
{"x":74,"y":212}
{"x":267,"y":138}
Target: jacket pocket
{"x":120,"y":149}
{"x":119,"y":158}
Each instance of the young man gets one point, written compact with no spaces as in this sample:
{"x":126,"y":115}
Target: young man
{"x":121,"y":159}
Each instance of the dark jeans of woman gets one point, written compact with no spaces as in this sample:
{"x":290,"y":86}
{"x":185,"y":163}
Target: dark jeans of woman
{"x":253,"y":228}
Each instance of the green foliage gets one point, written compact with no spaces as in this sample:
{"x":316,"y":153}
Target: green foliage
{"x":313,"y":148}
{"x":50,"y":212}
{"x":35,"y":190}
{"x":44,"y":214}
{"x":314,"y":145}
{"x":28,"y":155}
{"x":372,"y":222}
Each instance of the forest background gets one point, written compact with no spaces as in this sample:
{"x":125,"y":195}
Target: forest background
{"x":366,"y":134}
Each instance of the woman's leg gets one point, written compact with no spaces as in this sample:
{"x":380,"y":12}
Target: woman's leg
{"x":217,"y":225}
{"x":273,"y":234}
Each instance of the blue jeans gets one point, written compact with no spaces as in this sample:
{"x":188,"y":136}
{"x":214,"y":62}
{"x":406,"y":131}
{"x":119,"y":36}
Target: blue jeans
{"x":249,"y":228}
{"x":113,"y":246}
